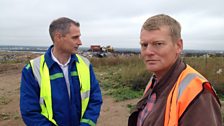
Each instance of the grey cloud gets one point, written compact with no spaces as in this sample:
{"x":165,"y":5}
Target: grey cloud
{"x":115,"y":23}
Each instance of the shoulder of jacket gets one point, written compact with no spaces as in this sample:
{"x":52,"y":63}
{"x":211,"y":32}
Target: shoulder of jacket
{"x":28,"y":66}
{"x":84,"y":59}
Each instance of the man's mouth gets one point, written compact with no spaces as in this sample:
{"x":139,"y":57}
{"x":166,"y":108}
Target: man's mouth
{"x":151,"y":61}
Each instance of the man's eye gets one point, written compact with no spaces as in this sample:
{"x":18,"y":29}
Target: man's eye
{"x":74,"y":37}
{"x":144,"y":45}
{"x":158,"y":44}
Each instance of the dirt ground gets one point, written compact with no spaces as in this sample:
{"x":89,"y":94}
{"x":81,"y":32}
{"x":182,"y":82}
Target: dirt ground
{"x":112,"y":113}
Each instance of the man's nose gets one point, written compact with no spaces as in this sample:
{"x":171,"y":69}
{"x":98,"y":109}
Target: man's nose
{"x":79,"y":42}
{"x":150,"y":49}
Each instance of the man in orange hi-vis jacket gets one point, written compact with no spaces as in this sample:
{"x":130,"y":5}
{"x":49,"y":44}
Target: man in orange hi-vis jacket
{"x":176,"y":95}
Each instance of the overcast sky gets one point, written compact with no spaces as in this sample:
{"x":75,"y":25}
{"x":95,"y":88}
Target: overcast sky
{"x":111,"y":22}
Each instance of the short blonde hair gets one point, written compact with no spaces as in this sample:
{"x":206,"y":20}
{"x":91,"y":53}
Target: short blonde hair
{"x":157,"y":21}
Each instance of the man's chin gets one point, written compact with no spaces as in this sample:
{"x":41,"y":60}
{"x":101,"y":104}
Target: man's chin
{"x":75,"y":52}
{"x":152,"y":69}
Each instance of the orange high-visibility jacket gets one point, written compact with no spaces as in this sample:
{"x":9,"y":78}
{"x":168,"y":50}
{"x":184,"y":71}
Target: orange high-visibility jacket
{"x":189,"y":84}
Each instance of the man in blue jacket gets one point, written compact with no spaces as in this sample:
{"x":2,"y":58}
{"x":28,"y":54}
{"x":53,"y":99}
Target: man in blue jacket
{"x":59,"y":88}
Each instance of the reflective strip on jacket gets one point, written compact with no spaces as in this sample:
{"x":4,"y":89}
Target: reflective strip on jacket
{"x":41,"y":73}
{"x":189,"y":84}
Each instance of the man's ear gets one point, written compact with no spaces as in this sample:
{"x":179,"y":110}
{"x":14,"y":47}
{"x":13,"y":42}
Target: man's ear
{"x":179,"y":45}
{"x":57,"y":36}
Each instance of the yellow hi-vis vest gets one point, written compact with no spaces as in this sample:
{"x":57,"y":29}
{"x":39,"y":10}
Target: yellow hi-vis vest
{"x":41,"y":74}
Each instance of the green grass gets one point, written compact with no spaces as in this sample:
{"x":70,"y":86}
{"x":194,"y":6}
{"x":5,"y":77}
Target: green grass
{"x":221,"y":96}
{"x":125,"y":77}
{"x":115,"y":84}
{"x":121,"y":77}
{"x":124,"y":93}
{"x":130,"y":107}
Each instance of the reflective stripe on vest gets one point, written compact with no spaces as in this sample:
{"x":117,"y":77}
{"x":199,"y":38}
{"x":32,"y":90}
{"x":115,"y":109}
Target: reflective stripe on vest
{"x":188,"y":86}
{"x":41,"y":74}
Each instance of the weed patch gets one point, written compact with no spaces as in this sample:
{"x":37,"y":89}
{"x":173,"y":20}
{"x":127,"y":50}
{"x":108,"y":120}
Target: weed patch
{"x":124,"y":93}
{"x":4,"y":100}
{"x":123,"y":76}
{"x":130,"y":107}
{"x":4,"y":116}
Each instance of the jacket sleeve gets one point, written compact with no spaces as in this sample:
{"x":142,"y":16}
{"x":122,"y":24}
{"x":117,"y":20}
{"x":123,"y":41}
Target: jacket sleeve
{"x":93,"y":109}
{"x":29,"y":100}
{"x":203,"y":111}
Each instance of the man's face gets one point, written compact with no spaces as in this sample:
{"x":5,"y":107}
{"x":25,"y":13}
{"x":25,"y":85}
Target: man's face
{"x":71,"y":41}
{"x":158,"y":50}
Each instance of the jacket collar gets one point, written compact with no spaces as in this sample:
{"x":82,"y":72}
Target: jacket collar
{"x":166,"y":83}
{"x":163,"y":87}
{"x":50,"y":62}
